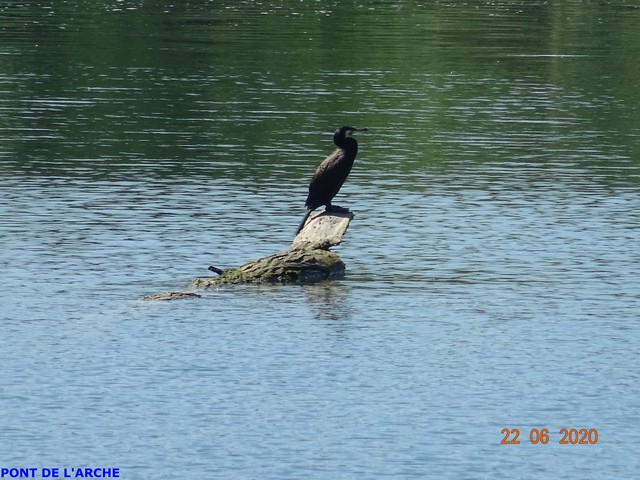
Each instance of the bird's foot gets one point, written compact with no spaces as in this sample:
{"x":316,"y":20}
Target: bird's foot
{"x":336,"y":209}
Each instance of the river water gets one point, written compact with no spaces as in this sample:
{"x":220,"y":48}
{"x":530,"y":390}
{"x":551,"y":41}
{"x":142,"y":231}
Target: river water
{"x":493,"y":267}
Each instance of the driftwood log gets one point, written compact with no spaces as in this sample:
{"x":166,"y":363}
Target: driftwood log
{"x":308,"y":259}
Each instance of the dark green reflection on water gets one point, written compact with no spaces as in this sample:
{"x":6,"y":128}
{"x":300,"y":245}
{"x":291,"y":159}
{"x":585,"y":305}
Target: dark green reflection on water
{"x":235,"y":89}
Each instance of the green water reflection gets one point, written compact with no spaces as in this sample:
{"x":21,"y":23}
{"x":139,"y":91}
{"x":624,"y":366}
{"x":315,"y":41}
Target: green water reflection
{"x":236,"y":88}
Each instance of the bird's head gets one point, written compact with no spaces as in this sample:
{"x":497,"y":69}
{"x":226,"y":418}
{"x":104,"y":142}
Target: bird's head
{"x":345,"y":132}
{"x":348,"y":131}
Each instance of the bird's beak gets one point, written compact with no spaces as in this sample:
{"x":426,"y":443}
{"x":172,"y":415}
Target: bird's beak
{"x":360,"y":129}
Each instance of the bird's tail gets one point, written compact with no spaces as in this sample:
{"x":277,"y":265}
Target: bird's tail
{"x":304,"y":220}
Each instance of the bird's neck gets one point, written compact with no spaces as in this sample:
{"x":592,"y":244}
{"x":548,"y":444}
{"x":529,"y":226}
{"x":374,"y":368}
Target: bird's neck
{"x":348,"y":144}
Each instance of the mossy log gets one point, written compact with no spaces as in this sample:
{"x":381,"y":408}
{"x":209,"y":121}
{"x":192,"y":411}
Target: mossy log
{"x":288,"y":266}
{"x":308,"y":259}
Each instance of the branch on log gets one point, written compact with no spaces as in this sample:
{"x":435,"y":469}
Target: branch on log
{"x":171,"y":296}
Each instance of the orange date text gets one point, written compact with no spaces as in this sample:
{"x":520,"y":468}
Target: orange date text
{"x":568,"y":436}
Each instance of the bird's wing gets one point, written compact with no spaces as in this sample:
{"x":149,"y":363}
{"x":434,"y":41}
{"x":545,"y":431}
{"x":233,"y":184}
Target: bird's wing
{"x":328,"y":178}
{"x":329,"y":167}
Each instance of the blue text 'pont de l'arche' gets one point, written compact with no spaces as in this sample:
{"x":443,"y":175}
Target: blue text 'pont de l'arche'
{"x":55,"y":472}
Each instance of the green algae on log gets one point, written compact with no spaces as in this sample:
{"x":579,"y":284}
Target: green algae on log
{"x":287,"y":266}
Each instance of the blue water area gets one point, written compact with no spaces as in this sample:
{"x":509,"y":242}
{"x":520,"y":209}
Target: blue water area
{"x":485,"y":309}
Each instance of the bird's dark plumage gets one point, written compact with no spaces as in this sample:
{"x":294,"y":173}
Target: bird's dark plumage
{"x":332,"y":172}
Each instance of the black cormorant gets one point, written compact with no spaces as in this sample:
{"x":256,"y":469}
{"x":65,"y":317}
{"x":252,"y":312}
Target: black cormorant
{"x":332,"y":172}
